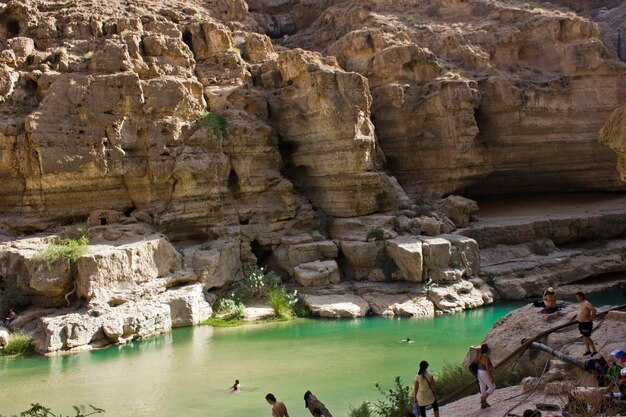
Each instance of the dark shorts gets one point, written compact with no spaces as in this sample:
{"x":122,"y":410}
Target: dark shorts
{"x":585,"y":328}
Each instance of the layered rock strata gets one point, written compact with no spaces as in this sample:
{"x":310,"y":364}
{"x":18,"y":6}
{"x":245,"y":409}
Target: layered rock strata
{"x":194,"y":147}
{"x":480,"y":96}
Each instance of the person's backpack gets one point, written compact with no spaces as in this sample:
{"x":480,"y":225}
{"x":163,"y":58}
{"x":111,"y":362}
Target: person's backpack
{"x":473,"y":368}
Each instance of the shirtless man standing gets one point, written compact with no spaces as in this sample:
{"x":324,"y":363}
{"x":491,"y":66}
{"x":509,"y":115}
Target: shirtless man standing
{"x":585,"y":316}
{"x":278,"y":408}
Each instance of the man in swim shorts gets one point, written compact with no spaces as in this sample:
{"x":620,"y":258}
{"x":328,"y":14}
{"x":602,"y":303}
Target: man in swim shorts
{"x":586,"y":314}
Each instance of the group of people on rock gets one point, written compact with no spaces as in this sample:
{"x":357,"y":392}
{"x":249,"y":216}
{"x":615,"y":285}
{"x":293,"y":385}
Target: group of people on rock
{"x":585,"y":315}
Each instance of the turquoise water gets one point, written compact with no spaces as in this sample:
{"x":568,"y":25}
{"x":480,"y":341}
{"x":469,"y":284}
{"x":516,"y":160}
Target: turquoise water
{"x":188,"y":371}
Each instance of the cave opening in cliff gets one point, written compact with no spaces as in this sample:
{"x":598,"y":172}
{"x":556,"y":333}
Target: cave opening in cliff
{"x":263,"y":253}
{"x":233,"y":182}
{"x":187,"y":39}
{"x":13,"y":28}
{"x":289,"y":170}
{"x":30,"y":87}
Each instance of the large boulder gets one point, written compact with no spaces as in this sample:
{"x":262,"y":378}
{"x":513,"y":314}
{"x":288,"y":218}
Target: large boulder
{"x":108,"y":270}
{"x":407,"y":255}
{"x":335,"y":306}
{"x":361,"y":257}
{"x":188,"y":306}
{"x":458,"y":209}
{"x":399,"y":305}
{"x":317,"y":273}
{"x":216,"y":263}
{"x":84,"y":330}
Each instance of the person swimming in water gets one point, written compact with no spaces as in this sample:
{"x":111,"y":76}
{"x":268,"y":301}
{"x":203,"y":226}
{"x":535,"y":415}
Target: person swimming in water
{"x":235,"y":387}
{"x":407,"y":340}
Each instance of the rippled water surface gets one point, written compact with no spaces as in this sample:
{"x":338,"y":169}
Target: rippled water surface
{"x":188,"y":372}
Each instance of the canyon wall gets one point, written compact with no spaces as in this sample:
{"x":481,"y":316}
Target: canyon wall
{"x":198,"y":139}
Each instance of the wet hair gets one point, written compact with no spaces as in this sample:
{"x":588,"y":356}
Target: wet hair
{"x":484,"y":348}
{"x":581,"y":295}
{"x":270,"y":397}
{"x":423,"y":366}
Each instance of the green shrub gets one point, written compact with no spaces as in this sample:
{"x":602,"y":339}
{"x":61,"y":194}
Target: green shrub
{"x":323,"y":222}
{"x":375,"y":233}
{"x":69,"y":250}
{"x":281,"y":301}
{"x":361,"y":411}
{"x":301,"y":309}
{"x":223,"y":322}
{"x":450,"y":379}
{"x":38,"y":410}
{"x":258,"y":282}
{"x":230,"y":308}
{"x":396,"y":401}
{"x":18,"y":343}
{"x":215,"y":121}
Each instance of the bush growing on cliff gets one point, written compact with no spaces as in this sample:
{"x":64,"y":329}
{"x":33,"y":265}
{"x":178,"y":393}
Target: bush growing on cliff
{"x":18,"y":344}
{"x":65,"y":249}
{"x":375,"y":233}
{"x":215,"y":121}
{"x":451,"y":378}
{"x":230,"y":308}
{"x":361,"y":411}
{"x":301,"y":309}
{"x":281,"y":301}
{"x":38,"y":410}
{"x":396,"y":401}
{"x":258,"y":282}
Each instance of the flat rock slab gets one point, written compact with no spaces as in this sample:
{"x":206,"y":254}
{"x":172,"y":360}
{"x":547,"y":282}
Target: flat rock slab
{"x":257,"y":313}
{"x":337,"y":306}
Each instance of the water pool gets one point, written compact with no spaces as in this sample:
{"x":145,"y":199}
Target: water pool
{"x":188,"y":371}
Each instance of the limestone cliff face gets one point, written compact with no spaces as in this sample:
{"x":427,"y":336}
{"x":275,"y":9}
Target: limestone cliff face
{"x":231,"y":127}
{"x":481,"y":97}
{"x":107,"y":110}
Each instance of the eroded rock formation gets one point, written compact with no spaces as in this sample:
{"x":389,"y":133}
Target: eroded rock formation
{"x":198,"y":139}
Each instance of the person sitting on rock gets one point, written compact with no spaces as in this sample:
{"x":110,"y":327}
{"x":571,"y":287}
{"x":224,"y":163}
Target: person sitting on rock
{"x":549,"y":301}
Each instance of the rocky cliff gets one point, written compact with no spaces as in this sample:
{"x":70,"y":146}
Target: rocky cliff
{"x":199,"y":138}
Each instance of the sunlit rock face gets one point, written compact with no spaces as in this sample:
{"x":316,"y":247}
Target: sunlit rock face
{"x":150,"y":107}
{"x":483,"y":97}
